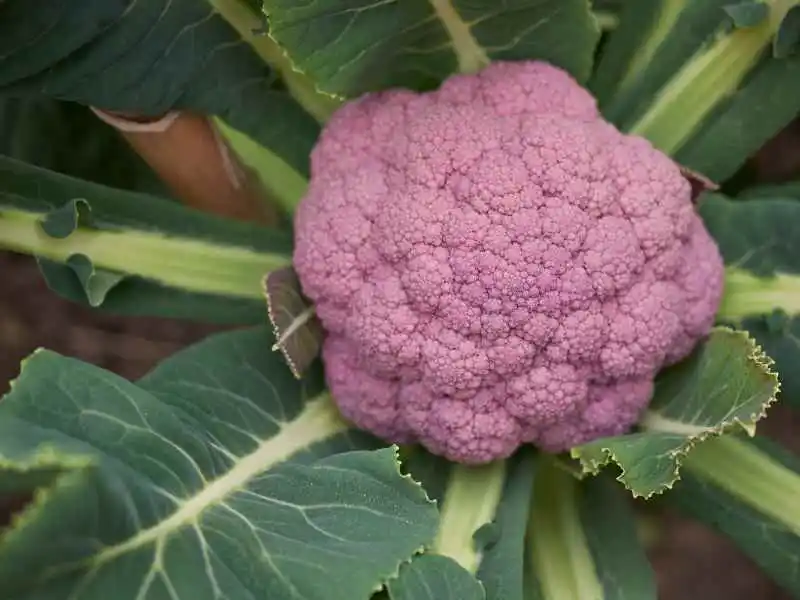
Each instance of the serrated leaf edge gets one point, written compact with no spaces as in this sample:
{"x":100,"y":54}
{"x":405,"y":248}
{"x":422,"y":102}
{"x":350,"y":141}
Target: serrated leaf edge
{"x":296,"y":69}
{"x":279,"y":346}
{"x":395,"y":575}
{"x":760,"y":359}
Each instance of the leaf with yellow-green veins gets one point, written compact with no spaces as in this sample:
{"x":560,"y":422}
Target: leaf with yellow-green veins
{"x":216,"y":476}
{"x":725,"y":385}
{"x":357,"y":46}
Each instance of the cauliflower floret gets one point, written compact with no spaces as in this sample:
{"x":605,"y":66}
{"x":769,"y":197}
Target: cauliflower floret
{"x":496,"y":265}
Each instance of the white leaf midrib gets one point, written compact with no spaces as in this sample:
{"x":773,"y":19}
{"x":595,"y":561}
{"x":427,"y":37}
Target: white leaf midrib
{"x":319,"y":421}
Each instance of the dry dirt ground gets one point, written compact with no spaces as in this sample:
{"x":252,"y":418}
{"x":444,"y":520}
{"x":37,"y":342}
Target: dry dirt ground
{"x":691,"y":561}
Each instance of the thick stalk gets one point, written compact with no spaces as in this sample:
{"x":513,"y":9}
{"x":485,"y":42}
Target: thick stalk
{"x":750,"y":475}
{"x":188,"y":264}
{"x":711,"y":76}
{"x":470,"y":502}
{"x":561,"y":561}
{"x":747,"y":294}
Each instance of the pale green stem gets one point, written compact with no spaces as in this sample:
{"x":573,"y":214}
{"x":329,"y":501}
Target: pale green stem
{"x":560,"y":557}
{"x":189,"y":264}
{"x":471,"y":56}
{"x":247,"y":23}
{"x":280,"y":181}
{"x":750,"y":475}
{"x":747,"y":294}
{"x":607,"y":21}
{"x":470,"y":502}
{"x":710,"y":77}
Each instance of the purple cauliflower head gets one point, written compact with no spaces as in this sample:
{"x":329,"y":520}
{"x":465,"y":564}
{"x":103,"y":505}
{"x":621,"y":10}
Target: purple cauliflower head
{"x":496,"y":265}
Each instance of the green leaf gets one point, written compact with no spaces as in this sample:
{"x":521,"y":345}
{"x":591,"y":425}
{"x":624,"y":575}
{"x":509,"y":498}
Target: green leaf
{"x":761,"y":107}
{"x":70,"y":139}
{"x":729,"y":489}
{"x":298,"y":332}
{"x":787,"y":40}
{"x":502,"y":567}
{"x":726,"y":384}
{"x":759,"y":235}
{"x":479,"y":522}
{"x":629,"y":50}
{"x":703,"y":84}
{"x":61,"y":223}
{"x":150,"y":58}
{"x":652,"y":42}
{"x":582,"y":541}
{"x":368,"y":46}
{"x":610,"y":528}
{"x":96,"y":283}
{"x":470,"y":503}
{"x":183,"y":263}
{"x":217,"y":475}
{"x":758,"y":238}
{"x":433,"y":577}
{"x":676,"y":73}
{"x":748,"y":13}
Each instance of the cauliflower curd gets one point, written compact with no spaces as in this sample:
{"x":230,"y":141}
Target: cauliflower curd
{"x":496,"y":265}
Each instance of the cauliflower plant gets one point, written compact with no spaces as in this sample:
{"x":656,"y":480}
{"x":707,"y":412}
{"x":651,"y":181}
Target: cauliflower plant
{"x":496,"y":265}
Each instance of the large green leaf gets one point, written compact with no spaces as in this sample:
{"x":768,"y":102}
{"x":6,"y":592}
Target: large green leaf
{"x":183,"y":263}
{"x":748,"y":477}
{"x":68,"y":138}
{"x":433,"y":577}
{"x":759,"y":238}
{"x":726,"y":384}
{"x":218,"y":475}
{"x":151,"y":57}
{"x":767,"y":102}
{"x":709,"y":93}
{"x":610,"y":529}
{"x":358,"y":46}
{"x":582,"y":541}
{"x":652,"y":42}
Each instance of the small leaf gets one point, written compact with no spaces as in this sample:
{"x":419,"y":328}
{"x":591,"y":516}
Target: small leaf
{"x":699,"y":182}
{"x":216,"y":475}
{"x":59,"y":223}
{"x":298,"y":332}
{"x":764,"y":472}
{"x":787,"y":40}
{"x":372,"y":46}
{"x":433,"y":577}
{"x":725,"y":384}
{"x":96,"y":283}
{"x":747,"y":14}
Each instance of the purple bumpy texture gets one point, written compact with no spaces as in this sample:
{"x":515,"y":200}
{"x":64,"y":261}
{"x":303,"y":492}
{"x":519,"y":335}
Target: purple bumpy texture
{"x":496,"y":265}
